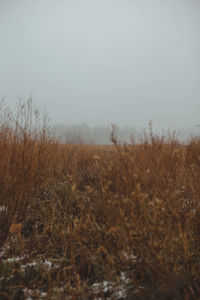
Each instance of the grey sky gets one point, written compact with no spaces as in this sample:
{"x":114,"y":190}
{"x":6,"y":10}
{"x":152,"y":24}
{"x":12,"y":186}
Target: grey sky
{"x":104,"y":61}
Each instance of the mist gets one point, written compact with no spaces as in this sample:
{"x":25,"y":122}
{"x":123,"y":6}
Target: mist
{"x":102,"y":62}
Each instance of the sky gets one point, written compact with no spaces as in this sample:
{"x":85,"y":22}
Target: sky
{"x":104,"y":61}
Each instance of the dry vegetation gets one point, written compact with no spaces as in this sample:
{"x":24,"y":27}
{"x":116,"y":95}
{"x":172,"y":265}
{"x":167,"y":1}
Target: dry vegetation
{"x":74,"y":219}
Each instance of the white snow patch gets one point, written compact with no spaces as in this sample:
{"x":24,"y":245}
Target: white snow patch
{"x":130,"y":256}
{"x":117,"y":291}
{"x":46,"y":265}
{"x":32,"y":294}
{"x":14,"y":259}
{"x":3,"y":208}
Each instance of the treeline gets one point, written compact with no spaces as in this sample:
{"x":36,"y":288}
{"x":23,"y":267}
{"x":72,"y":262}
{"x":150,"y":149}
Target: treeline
{"x":101,"y":135}
{"x":98,"y":135}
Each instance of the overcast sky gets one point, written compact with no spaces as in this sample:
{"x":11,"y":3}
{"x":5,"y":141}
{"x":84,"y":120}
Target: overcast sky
{"x":104,"y":61}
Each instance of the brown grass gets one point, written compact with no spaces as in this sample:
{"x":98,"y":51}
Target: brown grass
{"x":96,"y":212}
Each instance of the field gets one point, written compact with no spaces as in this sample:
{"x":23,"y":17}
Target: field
{"x":96,"y":222}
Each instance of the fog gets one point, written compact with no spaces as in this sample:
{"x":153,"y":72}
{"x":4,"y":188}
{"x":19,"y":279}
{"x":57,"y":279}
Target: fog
{"x":104,"y":61}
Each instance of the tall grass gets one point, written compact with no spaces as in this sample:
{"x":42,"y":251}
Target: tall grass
{"x":96,"y":213}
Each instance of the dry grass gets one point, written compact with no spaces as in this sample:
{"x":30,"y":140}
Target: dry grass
{"x":95,"y":212}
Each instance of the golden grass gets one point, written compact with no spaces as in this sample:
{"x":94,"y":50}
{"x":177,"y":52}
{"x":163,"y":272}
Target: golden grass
{"x":97,"y":211}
